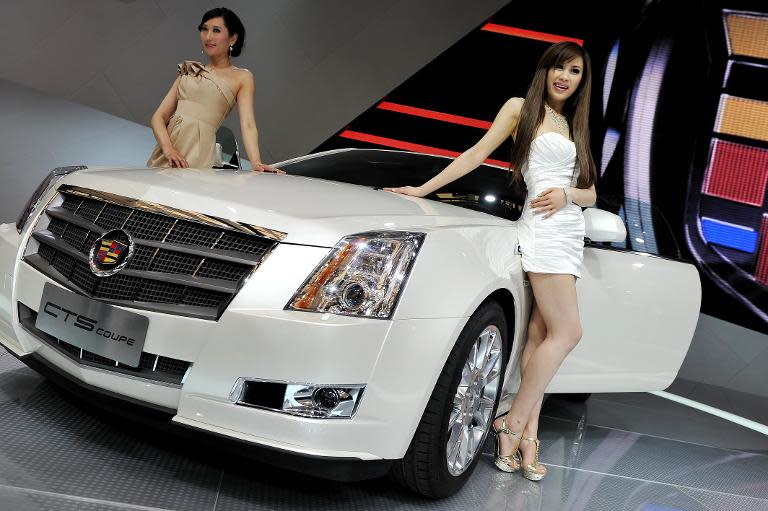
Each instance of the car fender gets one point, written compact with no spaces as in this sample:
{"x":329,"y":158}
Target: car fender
{"x":457,"y":270}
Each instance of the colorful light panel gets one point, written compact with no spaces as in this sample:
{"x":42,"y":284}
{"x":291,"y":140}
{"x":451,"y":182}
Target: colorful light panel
{"x":729,"y":235}
{"x":743,"y":117}
{"x":737,"y":172}
{"x":761,"y":269}
{"x":746,"y":34}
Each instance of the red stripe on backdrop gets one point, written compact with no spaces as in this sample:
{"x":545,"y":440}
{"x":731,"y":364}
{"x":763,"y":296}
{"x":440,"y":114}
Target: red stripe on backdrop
{"x":409,"y":146}
{"x":529,"y":34}
{"x":737,"y":172}
{"x":432,"y":114}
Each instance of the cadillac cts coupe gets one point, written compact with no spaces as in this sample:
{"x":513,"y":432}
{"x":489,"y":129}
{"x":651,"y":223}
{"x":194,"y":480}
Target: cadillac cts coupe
{"x":316,"y":316}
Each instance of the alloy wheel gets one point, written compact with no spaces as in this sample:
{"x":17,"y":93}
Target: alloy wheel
{"x":471,"y":417}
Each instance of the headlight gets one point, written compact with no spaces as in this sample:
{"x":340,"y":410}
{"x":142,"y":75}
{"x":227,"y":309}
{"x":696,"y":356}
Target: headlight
{"x":362,"y":276}
{"x":48,"y":182}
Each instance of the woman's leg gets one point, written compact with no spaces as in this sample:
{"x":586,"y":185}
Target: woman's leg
{"x":555,"y":297}
{"x":536,"y":333}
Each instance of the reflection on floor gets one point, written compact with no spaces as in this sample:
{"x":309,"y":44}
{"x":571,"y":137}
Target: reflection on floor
{"x":614,"y":452}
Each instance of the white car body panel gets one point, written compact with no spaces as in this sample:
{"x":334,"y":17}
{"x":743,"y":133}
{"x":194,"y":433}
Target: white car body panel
{"x":637,"y":310}
{"x":638,"y":320}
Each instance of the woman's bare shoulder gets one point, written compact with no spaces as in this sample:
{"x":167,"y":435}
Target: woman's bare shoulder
{"x":242,"y":73}
{"x":515,"y":104}
{"x":511,"y":109}
{"x":244,"y":76}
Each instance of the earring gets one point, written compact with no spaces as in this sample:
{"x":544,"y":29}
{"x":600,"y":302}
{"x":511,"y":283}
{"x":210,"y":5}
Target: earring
{"x":230,"y":51}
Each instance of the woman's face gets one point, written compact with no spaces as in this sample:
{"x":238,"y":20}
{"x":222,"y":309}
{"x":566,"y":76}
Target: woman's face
{"x":215,"y":37}
{"x":564,"y":79}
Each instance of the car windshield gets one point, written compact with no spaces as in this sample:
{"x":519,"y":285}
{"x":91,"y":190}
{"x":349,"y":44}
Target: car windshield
{"x":486,"y":189}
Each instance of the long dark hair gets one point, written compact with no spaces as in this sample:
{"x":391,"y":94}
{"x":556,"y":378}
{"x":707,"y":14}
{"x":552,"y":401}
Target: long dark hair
{"x":233,"y":24}
{"x":576,"y":110}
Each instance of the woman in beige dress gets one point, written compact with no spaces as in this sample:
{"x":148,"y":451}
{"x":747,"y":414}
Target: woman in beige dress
{"x":199,"y":100}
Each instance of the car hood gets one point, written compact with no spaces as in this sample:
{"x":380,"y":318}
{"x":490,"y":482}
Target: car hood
{"x":311,"y":211}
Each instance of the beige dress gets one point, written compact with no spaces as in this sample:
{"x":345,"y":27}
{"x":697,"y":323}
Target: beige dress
{"x":204,"y":100}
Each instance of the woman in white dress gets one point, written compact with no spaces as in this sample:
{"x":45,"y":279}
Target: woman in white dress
{"x":551,"y":155}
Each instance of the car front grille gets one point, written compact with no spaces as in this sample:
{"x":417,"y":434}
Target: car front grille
{"x":151,"y":367}
{"x":183,"y":263}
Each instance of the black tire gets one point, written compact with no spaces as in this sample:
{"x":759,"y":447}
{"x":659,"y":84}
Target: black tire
{"x":424,"y":469}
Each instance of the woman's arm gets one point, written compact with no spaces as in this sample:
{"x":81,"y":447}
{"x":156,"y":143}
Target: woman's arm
{"x":551,"y":200}
{"x":503,"y":126}
{"x":159,"y":125}
{"x":248,"y":122}
{"x":584,"y":197}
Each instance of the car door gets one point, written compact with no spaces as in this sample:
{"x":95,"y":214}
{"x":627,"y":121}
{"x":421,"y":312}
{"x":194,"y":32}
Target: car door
{"x":639,"y":313}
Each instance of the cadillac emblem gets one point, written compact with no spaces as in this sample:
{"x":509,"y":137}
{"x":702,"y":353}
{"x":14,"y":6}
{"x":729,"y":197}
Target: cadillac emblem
{"x":110,"y":253}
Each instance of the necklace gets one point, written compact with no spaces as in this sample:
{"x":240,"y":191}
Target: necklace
{"x":560,"y":120}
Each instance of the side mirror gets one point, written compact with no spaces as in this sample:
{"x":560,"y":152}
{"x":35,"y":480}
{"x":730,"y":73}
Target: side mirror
{"x":227,"y":152}
{"x":604,"y":226}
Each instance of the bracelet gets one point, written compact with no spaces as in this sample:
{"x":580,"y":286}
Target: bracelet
{"x":568,"y":195}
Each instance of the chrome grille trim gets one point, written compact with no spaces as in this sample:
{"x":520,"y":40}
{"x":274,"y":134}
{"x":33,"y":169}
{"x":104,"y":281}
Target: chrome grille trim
{"x":187,"y":264}
{"x":182,"y":214}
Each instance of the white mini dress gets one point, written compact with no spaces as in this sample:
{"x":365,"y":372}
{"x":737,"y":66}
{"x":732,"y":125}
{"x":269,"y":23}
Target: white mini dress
{"x":554,"y":244}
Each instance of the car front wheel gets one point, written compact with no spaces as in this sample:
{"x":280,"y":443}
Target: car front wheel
{"x":449,"y":439}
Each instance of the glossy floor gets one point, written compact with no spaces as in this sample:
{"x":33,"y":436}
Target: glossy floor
{"x":614,"y":452}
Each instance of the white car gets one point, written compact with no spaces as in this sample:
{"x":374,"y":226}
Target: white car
{"x":314,"y":315}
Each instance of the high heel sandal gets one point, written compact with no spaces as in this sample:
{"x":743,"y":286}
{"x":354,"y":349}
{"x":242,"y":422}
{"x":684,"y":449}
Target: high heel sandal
{"x":530,"y":471}
{"x":511,"y":462}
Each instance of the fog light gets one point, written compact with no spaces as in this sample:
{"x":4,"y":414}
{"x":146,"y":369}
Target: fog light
{"x":326,"y":397}
{"x":303,"y":399}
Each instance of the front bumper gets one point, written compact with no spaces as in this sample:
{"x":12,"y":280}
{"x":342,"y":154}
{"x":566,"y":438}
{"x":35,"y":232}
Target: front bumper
{"x":398,"y":361}
{"x":338,"y":469}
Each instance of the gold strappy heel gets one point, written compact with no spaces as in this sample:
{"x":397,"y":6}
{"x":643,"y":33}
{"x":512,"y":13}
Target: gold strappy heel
{"x":511,"y":462}
{"x":530,"y":471}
